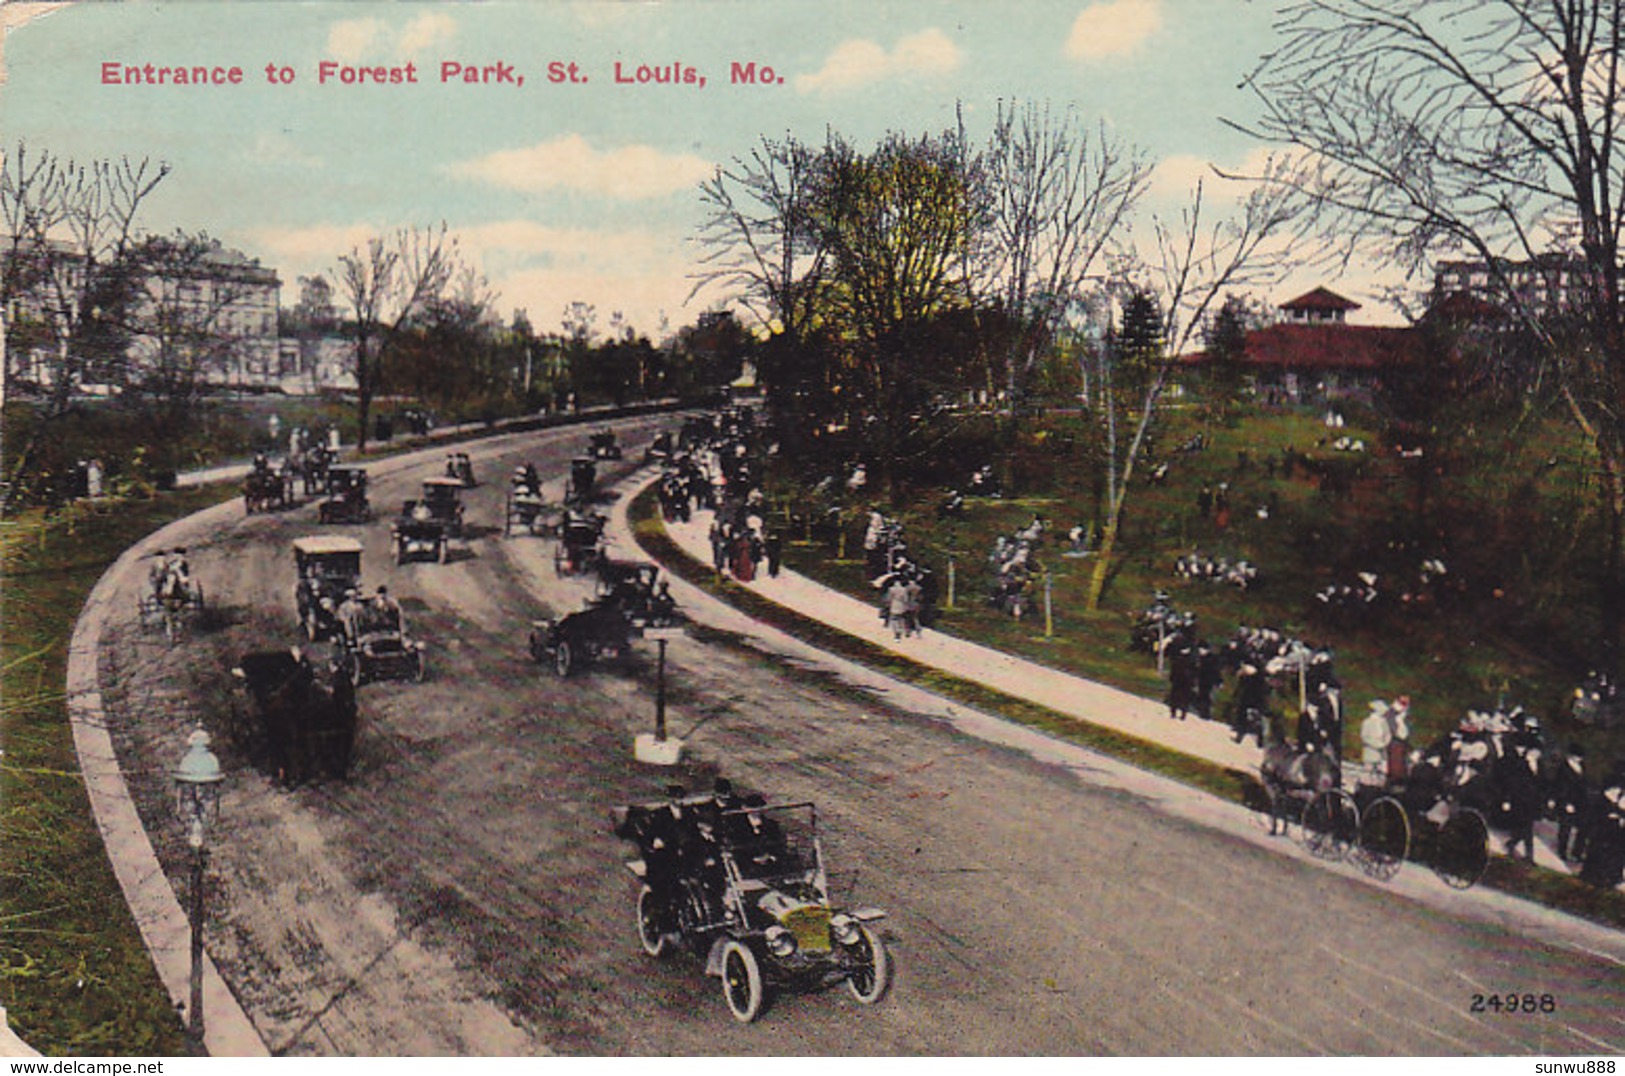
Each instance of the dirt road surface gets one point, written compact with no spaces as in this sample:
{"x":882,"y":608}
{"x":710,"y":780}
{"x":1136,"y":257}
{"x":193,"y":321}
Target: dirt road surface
{"x":462,"y":893}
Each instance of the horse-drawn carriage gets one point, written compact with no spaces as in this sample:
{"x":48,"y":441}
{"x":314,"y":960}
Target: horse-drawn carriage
{"x":173,"y":598}
{"x":602,"y":445}
{"x":294,"y":723}
{"x":311,"y":465}
{"x":346,"y":500}
{"x":1436,"y":810}
{"x":460,"y":467}
{"x":328,"y":569}
{"x":660,"y":450}
{"x":743,"y":886}
{"x":527,"y":508}
{"x":266,"y":487}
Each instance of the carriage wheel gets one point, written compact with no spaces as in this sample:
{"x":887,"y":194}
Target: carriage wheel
{"x":441,"y":552}
{"x":871,"y":973}
{"x":420,"y":669}
{"x":563,"y":658}
{"x":741,"y":982}
{"x":651,"y":922}
{"x":1461,"y":849}
{"x":1331,"y":824}
{"x":1385,"y":838}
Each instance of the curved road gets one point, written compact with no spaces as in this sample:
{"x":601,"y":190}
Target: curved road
{"x":462,"y":894}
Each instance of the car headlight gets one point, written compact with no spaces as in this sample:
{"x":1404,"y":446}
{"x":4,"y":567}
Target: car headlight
{"x":780,"y":942}
{"x":845,"y":929}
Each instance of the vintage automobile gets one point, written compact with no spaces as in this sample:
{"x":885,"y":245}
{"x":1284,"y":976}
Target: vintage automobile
{"x":625,"y":603}
{"x":602,"y":445}
{"x":459,"y":466}
{"x":377,"y":647}
{"x":583,"y":473}
{"x":743,"y":886}
{"x":581,"y":543}
{"x":416,"y":535}
{"x":173,"y":598}
{"x":328,"y":568}
{"x":292,"y":721}
{"x":660,"y":450}
{"x":346,"y":500}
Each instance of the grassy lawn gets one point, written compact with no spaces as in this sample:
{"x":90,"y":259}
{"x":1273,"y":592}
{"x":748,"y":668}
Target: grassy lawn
{"x":74,"y":975}
{"x":1467,"y":650}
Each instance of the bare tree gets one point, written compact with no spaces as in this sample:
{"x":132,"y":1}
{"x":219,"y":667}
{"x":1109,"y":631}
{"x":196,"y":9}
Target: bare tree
{"x":1192,"y":266}
{"x":1486,"y":127}
{"x":389,"y":283}
{"x":1060,"y":201}
{"x":69,"y":229}
{"x":761,"y":239}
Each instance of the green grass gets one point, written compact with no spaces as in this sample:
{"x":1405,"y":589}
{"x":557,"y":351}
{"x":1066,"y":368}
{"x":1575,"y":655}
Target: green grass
{"x":74,"y":975}
{"x":1093,"y":646}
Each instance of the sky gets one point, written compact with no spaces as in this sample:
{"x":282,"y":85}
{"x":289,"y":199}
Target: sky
{"x":584,"y":187}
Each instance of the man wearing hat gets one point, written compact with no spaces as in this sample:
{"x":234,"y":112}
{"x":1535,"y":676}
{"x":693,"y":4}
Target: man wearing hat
{"x":1570,"y":799}
{"x":1605,"y":852}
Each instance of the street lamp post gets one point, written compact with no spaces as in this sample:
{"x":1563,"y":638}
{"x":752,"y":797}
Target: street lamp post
{"x":197,"y":795}
{"x":659,"y":749}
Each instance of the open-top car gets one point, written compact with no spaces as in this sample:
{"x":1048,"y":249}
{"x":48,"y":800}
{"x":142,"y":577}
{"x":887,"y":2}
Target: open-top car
{"x":376,"y":643}
{"x":626,"y":603}
{"x":602,"y":445}
{"x":346,"y":500}
{"x":743,"y":886}
{"x":328,"y":568}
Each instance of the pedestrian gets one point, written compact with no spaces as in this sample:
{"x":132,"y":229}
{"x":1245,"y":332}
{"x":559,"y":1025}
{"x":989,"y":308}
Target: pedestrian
{"x":1605,"y":851}
{"x":897,"y":607}
{"x":1570,"y":800}
{"x":1204,"y":501}
{"x":774,"y":544}
{"x":1183,"y":676}
{"x":1221,"y":506}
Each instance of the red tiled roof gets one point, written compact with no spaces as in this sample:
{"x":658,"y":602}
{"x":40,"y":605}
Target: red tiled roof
{"x":1326,"y":347}
{"x":1320,"y":299}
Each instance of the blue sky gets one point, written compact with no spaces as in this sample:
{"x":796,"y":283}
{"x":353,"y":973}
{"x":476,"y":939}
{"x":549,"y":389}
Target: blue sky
{"x":562,"y":192}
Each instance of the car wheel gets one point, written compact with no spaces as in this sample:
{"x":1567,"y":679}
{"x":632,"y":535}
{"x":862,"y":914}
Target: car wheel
{"x":421,"y":669}
{"x":741,"y":982}
{"x":871,"y":972}
{"x":440,"y":553}
{"x":563,"y":658}
{"x":651,"y":918}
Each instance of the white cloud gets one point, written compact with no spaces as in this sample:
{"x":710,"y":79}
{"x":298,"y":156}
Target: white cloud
{"x":426,"y":30}
{"x":1112,"y":28}
{"x":860,"y":62}
{"x":571,"y":163}
{"x":354,"y":40}
{"x":1175,"y":177}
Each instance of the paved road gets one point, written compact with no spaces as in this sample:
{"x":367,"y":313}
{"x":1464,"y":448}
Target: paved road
{"x":461,"y":894}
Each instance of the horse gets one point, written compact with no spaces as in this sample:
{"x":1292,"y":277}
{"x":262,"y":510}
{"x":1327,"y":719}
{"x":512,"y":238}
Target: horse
{"x":1287,"y":773}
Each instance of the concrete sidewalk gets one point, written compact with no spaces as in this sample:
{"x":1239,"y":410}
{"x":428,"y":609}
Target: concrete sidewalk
{"x":1021,"y":678}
